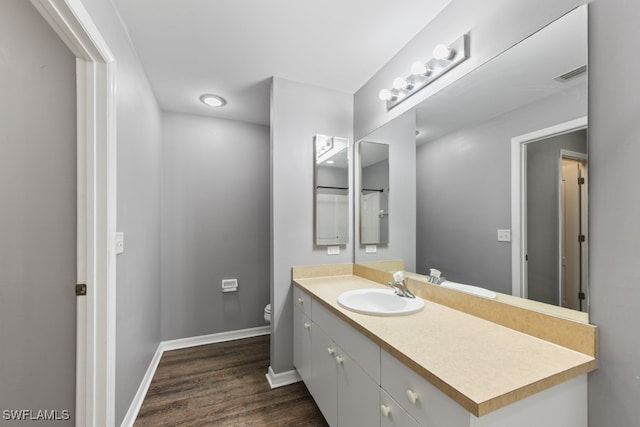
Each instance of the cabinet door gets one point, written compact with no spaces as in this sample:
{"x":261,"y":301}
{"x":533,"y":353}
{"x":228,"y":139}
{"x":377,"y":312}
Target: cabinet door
{"x":358,"y":394}
{"x":302,"y":346}
{"x":392,"y":414}
{"x":324,"y":375}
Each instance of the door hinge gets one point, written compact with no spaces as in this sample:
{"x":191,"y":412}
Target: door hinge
{"x":581,"y":180}
{"x":526,"y":257}
{"x":81,"y":289}
{"x":581,"y":238}
{"x":581,"y":296}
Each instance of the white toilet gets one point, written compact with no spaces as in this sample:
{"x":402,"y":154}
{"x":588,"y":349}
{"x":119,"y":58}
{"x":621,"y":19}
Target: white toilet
{"x":267,"y":313}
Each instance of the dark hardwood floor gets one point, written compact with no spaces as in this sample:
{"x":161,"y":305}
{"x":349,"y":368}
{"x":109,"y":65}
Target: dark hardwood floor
{"x":224,"y":384}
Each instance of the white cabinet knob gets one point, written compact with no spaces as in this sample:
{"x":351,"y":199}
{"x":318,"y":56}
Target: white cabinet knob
{"x":307,"y":325}
{"x":300,"y":300}
{"x":385,"y":410}
{"x":412,"y":396}
{"x":339,"y":360}
{"x":331,"y":351}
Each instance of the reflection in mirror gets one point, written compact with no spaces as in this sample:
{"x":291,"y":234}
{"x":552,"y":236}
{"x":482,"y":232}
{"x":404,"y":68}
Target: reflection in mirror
{"x":464,"y":164}
{"x":374,"y":193}
{"x":331,"y":195}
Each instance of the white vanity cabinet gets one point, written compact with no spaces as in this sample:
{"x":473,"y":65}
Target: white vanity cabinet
{"x":564,"y":405}
{"x":346,"y":392}
{"x":356,"y":383}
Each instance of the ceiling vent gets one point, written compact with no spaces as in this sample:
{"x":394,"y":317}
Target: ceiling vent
{"x":571,"y":74}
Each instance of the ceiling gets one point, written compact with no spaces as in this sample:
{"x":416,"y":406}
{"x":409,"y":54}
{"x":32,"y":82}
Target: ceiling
{"x":232,"y":47}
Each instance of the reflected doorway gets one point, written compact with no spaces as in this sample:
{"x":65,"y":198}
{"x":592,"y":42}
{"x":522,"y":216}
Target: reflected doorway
{"x":555,"y":219}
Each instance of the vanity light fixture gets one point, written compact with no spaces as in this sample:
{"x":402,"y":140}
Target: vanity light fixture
{"x":444,"y":58}
{"x":213,"y":100}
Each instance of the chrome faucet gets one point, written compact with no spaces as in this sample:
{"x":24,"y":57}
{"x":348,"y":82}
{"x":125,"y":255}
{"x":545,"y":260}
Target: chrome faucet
{"x":435,"y":276}
{"x":399,"y":285}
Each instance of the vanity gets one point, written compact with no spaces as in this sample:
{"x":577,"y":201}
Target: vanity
{"x":446,"y":365}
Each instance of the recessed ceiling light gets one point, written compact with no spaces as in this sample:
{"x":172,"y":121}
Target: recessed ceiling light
{"x":213,"y":100}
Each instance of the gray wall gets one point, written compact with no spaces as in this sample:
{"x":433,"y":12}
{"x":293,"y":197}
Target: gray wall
{"x":298,"y":112}
{"x":37,"y":215}
{"x":215,"y":225}
{"x":543,"y":229}
{"x":464,"y":193}
{"x":138,"y":210}
{"x":400,"y":134}
{"x":614,"y":209}
{"x":494,"y":26}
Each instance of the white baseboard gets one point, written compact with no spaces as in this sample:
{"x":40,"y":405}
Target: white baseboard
{"x":214,"y":338}
{"x":283,"y":378}
{"x":136,"y":404}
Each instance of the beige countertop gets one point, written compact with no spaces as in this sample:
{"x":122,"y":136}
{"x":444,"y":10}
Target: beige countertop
{"x":480,"y":364}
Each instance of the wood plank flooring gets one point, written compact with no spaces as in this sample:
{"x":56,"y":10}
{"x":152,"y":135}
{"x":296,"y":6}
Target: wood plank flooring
{"x":224,"y":384}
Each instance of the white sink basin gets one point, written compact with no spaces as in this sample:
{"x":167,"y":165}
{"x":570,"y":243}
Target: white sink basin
{"x":379,"y":302}
{"x":470,"y":289}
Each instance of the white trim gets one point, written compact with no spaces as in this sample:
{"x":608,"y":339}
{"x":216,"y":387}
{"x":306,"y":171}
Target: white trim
{"x":96,"y":115}
{"x":215,"y":338}
{"x":138,"y":399}
{"x":518,"y":197}
{"x":283,"y":378}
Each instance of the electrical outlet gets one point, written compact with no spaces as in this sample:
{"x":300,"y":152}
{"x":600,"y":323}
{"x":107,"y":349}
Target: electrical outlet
{"x":370,"y":249}
{"x":504,"y":235}
{"x":333,"y":250}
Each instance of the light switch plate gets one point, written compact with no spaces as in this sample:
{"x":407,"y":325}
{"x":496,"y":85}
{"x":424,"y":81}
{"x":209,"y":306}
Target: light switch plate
{"x":119,"y":242}
{"x":370,"y":249}
{"x":333,"y":250}
{"x":504,"y":235}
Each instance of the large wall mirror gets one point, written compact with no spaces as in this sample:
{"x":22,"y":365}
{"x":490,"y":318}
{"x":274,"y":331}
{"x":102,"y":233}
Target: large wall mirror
{"x":374,"y":193}
{"x":331,"y":190}
{"x":519,"y":119}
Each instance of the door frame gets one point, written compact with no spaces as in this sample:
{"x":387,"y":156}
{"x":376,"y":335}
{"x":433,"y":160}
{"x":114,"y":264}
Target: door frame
{"x":519,"y":198}
{"x":96,"y":214}
{"x":584,"y":159}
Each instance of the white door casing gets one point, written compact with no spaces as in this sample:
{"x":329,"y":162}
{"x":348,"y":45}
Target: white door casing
{"x":96,"y":139}
{"x":518,"y":198}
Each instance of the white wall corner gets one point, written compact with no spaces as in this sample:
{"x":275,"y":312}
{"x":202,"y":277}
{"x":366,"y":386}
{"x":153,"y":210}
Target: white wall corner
{"x":283,"y":378}
{"x":136,"y":404}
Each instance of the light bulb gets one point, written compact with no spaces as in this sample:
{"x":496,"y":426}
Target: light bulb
{"x":213,"y":100}
{"x":385,"y":95}
{"x":419,"y":68}
{"x":442,"y":52}
{"x":400,"y":83}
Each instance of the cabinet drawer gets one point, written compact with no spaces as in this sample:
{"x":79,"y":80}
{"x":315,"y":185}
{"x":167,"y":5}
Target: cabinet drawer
{"x":428,"y":405}
{"x":302,"y":300}
{"x":352,"y":342}
{"x":392,"y":414}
